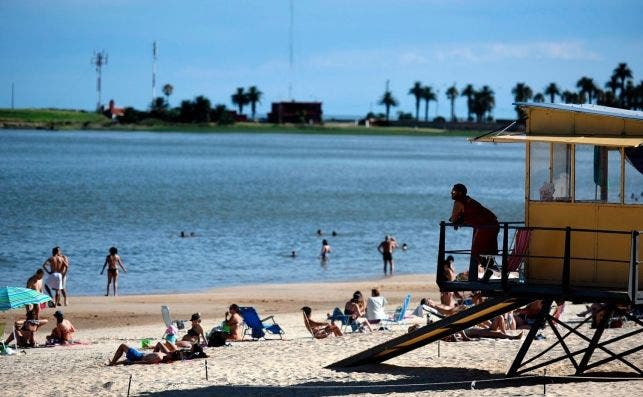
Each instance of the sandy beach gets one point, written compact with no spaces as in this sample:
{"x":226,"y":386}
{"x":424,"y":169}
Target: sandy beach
{"x":293,"y":366}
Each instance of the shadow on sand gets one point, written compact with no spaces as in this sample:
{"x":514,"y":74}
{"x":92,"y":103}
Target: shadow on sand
{"x":413,"y":380}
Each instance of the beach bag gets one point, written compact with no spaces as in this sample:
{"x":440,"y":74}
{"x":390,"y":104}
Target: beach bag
{"x":217,"y":338}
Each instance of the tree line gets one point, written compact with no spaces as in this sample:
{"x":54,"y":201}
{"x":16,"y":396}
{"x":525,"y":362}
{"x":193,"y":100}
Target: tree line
{"x":197,"y":110}
{"x":620,"y":92}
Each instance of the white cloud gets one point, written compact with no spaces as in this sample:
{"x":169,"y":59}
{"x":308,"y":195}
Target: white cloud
{"x":486,"y":52}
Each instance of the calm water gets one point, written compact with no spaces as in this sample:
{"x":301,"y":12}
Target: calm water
{"x":250,"y":199}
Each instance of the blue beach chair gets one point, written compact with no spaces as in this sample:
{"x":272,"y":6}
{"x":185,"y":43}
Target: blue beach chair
{"x":345,"y":319}
{"x":400,"y":313}
{"x":256,"y":327}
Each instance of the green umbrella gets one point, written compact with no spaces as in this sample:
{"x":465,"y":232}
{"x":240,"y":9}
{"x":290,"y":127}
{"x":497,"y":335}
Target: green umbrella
{"x":16,"y":297}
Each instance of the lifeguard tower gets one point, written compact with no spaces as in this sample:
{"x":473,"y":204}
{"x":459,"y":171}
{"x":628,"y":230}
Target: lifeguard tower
{"x":579,"y":240}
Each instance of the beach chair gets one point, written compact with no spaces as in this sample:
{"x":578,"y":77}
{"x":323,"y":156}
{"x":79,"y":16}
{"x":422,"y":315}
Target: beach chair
{"x":255,"y":327}
{"x":345,"y":320}
{"x":515,"y":258}
{"x":399,"y":317}
{"x":167,"y":319}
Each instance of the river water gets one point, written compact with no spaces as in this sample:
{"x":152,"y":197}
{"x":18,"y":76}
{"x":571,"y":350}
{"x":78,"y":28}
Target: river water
{"x":249,"y":199}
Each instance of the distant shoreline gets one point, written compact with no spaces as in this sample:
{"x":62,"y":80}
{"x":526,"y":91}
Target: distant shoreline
{"x":69,"y":120}
{"x":327,"y":129}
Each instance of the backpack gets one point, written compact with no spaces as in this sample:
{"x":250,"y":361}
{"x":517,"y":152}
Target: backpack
{"x":217,"y":338}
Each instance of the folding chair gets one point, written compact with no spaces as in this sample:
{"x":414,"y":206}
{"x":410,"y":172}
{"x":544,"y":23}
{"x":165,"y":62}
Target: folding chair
{"x":167,"y":319}
{"x":399,"y":317}
{"x":256,"y":327}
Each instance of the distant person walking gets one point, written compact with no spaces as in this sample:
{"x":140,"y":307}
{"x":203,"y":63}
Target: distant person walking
{"x":112,"y":261}
{"x":57,"y":275}
{"x":386,"y":248}
{"x":467,"y":211}
{"x":325,"y":250}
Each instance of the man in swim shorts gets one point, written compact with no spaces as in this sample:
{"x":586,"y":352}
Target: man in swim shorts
{"x":57,"y":272}
{"x":386,"y":248}
{"x":134,"y":356}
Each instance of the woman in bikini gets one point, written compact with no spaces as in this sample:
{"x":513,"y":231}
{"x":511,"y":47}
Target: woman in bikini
{"x":112,"y":261}
{"x":317,"y":329}
{"x":195,"y":333}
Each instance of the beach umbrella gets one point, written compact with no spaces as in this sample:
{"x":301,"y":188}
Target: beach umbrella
{"x":16,"y":297}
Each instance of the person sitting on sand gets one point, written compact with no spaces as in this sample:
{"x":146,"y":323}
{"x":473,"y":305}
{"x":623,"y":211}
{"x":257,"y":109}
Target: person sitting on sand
{"x":25,"y":331}
{"x":360,"y":301}
{"x":317,"y":329}
{"x":233,"y":323}
{"x":375,"y":307}
{"x":352,"y":309}
{"x":63,"y":333}
{"x":194,"y":334}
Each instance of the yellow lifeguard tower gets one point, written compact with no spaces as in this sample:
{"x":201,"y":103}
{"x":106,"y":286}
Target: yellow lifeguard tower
{"x":583,"y":199}
{"x":579,"y":240}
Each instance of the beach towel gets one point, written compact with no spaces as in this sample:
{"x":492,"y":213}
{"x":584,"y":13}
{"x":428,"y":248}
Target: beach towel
{"x":54,"y":281}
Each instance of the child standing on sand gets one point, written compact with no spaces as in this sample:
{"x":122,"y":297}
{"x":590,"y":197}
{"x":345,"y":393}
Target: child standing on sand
{"x":112,"y":261}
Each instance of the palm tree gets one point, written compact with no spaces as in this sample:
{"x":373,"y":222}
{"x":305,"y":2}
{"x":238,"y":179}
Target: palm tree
{"x":388,"y":100}
{"x":158,"y":107}
{"x":427,"y":95}
{"x":452,"y":94}
{"x":201,"y":108}
{"x":630,"y":95}
{"x":588,"y":87}
{"x":168,"y":89}
{"x":254,"y":96}
{"x":488,"y":100}
{"x":522,"y":93}
{"x":539,"y":98}
{"x":469,"y":92}
{"x":613,"y":84}
{"x":569,"y":97}
{"x":622,"y":73}
{"x":240,"y":98}
{"x":416,"y":91}
{"x":552,"y":90}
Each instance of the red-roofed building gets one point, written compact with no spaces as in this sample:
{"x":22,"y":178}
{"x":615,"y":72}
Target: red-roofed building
{"x":114,"y":111}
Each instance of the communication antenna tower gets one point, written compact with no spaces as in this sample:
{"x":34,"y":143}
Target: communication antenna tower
{"x":12,"y":95}
{"x":99,"y":60}
{"x":290,"y":48}
{"x":154,"y":70}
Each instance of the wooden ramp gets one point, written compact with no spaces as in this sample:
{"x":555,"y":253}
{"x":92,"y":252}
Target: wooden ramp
{"x":432,"y":332}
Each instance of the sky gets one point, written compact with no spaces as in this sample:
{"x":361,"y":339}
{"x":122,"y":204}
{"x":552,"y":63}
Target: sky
{"x":344,"y":52}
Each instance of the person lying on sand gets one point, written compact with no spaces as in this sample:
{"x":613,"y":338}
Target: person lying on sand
{"x":134,"y":356}
{"x":194,"y":351}
{"x":494,"y":329}
{"x":317,"y":329}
